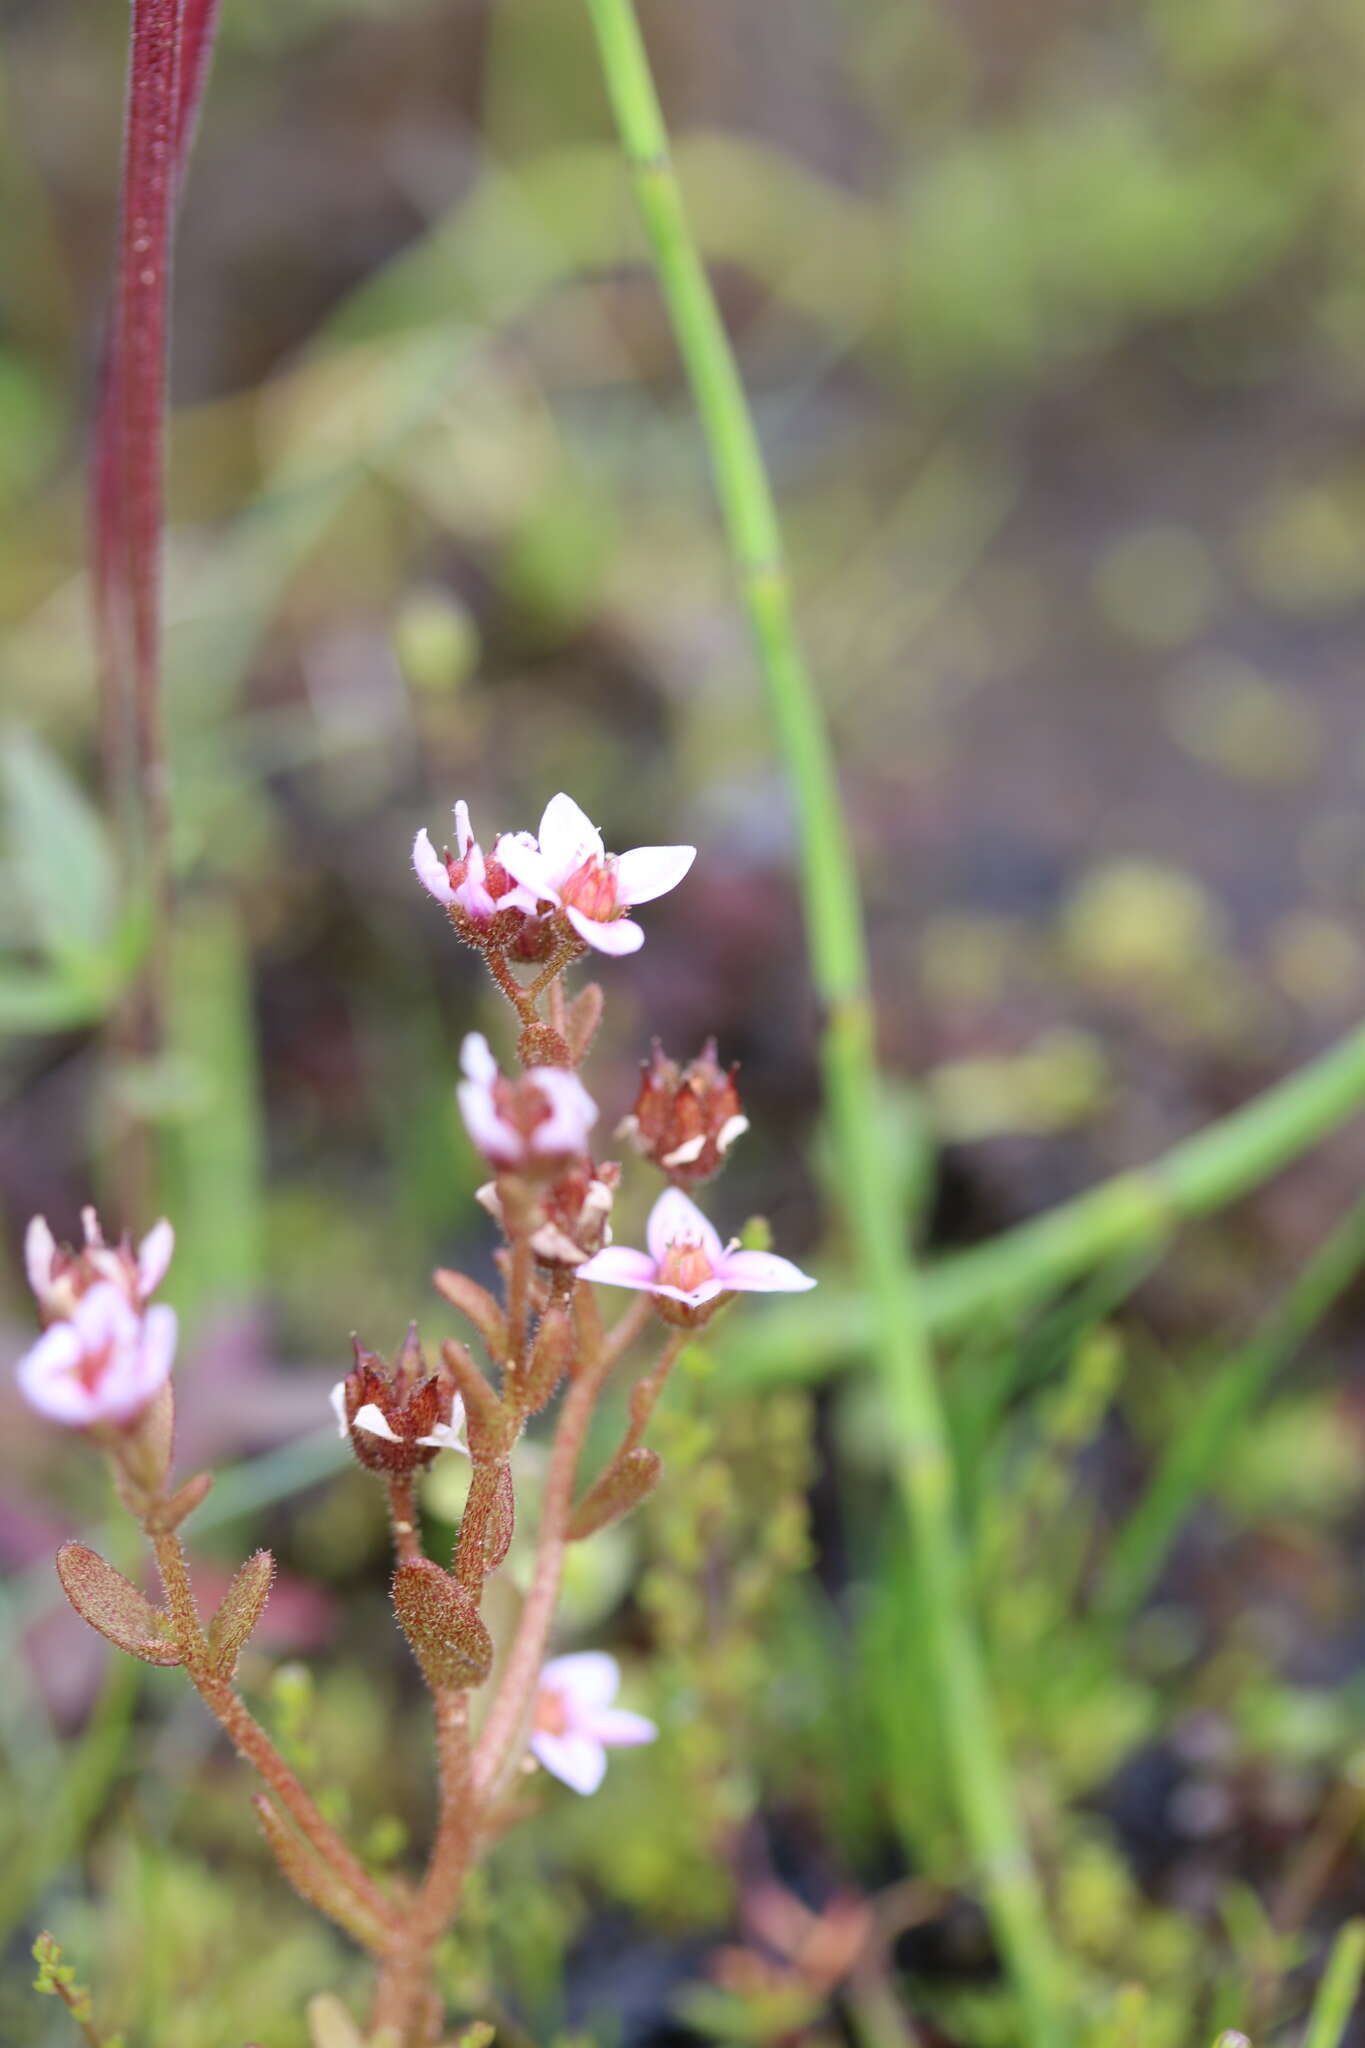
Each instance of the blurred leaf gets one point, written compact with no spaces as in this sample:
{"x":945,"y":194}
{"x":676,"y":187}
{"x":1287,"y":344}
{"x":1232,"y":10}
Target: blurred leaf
{"x":62,"y":858}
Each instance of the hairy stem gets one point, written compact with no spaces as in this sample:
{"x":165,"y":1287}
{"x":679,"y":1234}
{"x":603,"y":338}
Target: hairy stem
{"x":250,"y":1739}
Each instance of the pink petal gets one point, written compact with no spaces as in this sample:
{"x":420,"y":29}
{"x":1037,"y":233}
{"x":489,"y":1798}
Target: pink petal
{"x":40,"y":1249}
{"x":487,"y":1131}
{"x":676,"y":1220}
{"x":572,"y":1112}
{"x":762,"y":1273}
{"x":464,"y":831}
{"x":525,"y":863}
{"x":102,"y":1317}
{"x":576,"y":1759}
{"x":586,"y":1680}
{"x":568,"y":837}
{"x":139,"y":1372}
{"x":619,"y":1266}
{"x":616,"y":935}
{"x":696,"y":1297}
{"x":616,"y":1728}
{"x":154,"y":1256}
{"x":431,"y":869}
{"x":47,"y":1379}
{"x":651,"y":871}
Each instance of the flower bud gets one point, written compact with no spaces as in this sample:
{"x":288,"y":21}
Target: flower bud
{"x":686,"y":1119}
{"x":397,"y":1417}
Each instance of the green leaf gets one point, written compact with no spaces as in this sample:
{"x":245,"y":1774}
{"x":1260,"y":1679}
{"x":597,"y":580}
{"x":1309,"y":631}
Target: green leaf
{"x":64,"y":869}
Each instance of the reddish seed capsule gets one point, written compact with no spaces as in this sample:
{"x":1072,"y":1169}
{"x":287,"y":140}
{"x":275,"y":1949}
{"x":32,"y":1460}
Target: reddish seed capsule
{"x":686,"y":1118}
{"x":398,"y":1416}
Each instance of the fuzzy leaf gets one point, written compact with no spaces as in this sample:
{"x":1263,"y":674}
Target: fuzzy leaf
{"x":502,"y":1520}
{"x":114,"y":1606}
{"x":477,"y":1305}
{"x":585,"y":1014}
{"x":316,"y":1882}
{"x":550,"y":1358}
{"x":488,"y":1424}
{"x":243,"y":1604}
{"x":620,"y":1488}
{"x":182,"y":1503}
{"x":442,"y":1625}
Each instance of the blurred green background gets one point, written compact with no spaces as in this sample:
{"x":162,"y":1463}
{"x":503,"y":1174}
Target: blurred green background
{"x":1054,"y":323}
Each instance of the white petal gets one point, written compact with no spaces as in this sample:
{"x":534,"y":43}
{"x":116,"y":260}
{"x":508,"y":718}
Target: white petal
{"x":576,"y":1759}
{"x":733,"y":1127}
{"x":684,"y":1154}
{"x":676,"y":1220}
{"x":586,"y":1680}
{"x":762,"y":1273}
{"x":40,"y":1249}
{"x":568,"y":837}
{"x":525,"y":863}
{"x":572,"y":1112}
{"x":464,"y":831}
{"x":619,"y":1266}
{"x":373,"y":1419}
{"x":90,"y":1224}
{"x":337,"y":1397}
{"x":617,"y":1728}
{"x":476,"y":1059}
{"x":431,"y":869}
{"x":695,"y":1297}
{"x":614,"y":935}
{"x":651,"y":871}
{"x":445,"y":1437}
{"x":154,"y":1256}
{"x":102,"y":1318}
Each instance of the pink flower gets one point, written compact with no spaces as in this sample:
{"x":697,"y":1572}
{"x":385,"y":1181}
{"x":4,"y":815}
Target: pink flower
{"x":59,"y":1276}
{"x":546,"y":1114}
{"x":687,"y":1263}
{"x":102,"y":1364}
{"x":569,"y":867}
{"x":576,"y":1723}
{"x":477,"y":885}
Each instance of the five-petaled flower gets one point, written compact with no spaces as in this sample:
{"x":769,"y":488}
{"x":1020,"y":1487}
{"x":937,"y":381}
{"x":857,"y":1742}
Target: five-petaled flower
{"x":687,"y":1268}
{"x":545,"y":1115}
{"x":101,"y":1364}
{"x":567,"y":865}
{"x":59,"y":1275}
{"x":576,"y":1723}
{"x":484,"y":900}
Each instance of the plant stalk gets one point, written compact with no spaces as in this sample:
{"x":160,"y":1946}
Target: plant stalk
{"x":834,"y":924}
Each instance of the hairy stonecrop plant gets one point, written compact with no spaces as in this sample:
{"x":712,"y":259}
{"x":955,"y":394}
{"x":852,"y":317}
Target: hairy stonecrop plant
{"x":534,"y":905}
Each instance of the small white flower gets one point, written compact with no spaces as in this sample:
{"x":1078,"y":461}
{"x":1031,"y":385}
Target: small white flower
{"x":547,"y":1114}
{"x":568,"y":865}
{"x":687,"y":1263}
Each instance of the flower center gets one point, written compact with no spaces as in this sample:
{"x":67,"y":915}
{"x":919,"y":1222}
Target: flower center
{"x":686,"y":1266}
{"x":591,"y":888}
{"x":552,"y":1714}
{"x":92,"y":1366}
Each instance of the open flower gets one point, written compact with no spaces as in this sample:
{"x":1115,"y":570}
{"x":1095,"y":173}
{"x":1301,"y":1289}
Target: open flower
{"x":475,"y":887}
{"x":59,"y":1275}
{"x":576,"y":1723}
{"x":545,"y":1115}
{"x":567,"y":865}
{"x":397,"y":1417}
{"x":103,"y":1363}
{"x":687,"y":1264}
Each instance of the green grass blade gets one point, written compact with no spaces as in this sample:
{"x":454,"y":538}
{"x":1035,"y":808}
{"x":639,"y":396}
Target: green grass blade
{"x":834,"y":925}
{"x":1337,"y":1992}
